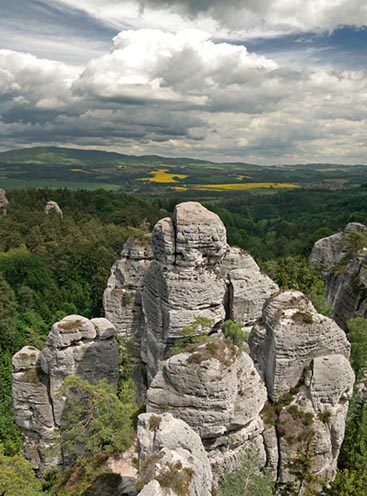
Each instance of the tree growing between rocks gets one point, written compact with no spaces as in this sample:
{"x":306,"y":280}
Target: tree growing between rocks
{"x":248,"y":480}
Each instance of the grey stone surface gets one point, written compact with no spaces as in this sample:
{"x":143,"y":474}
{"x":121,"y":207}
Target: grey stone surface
{"x":75,"y":346}
{"x":220,"y":398}
{"x":326,"y":252}
{"x":345,"y":274}
{"x":153,"y":489}
{"x":53,"y":207}
{"x":4,"y":202}
{"x":248,"y":287}
{"x":288,"y":337}
{"x":319,"y":438}
{"x":346,"y":289}
{"x":303,"y":357}
{"x":201,"y":237}
{"x":196,"y":274}
{"x":122,"y":298}
{"x":168,"y":445}
{"x":189,"y":272}
{"x":33,"y":410}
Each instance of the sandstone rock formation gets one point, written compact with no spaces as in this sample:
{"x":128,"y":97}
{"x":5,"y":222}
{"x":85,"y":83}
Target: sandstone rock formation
{"x":219,"y":394}
{"x":122,"y":298}
{"x":288,"y":398}
{"x":344,"y":268}
{"x":196,"y":274}
{"x":303,"y":357}
{"x":75,"y":346}
{"x":4,"y":202}
{"x":52,"y":206}
{"x":326,"y":252}
{"x":172,"y":458}
{"x":189,"y":271}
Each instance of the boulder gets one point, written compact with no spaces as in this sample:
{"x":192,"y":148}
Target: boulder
{"x":4,"y":202}
{"x":172,"y":458}
{"x":219,"y":394}
{"x":53,"y":207}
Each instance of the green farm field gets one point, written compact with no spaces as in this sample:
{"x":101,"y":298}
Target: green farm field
{"x":153,"y":176}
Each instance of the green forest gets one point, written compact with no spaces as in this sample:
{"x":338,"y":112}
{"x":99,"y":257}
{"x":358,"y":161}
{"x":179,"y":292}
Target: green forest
{"x":52,"y":266}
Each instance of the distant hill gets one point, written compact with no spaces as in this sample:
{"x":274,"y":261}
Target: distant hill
{"x":50,"y":155}
{"x":156,"y":176}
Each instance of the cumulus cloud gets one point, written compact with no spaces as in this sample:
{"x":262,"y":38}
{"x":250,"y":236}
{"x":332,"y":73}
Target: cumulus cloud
{"x":186,"y":68}
{"x":183,"y":94}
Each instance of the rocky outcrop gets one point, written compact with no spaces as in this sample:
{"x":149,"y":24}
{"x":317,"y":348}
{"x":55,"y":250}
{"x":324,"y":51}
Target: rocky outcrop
{"x":195,"y":274}
{"x":122,"y":299}
{"x":217,"y":391}
{"x":3,"y":202}
{"x":172,"y":459}
{"x":53,"y":207}
{"x":33,"y":410}
{"x":75,"y":346}
{"x":289,"y":336}
{"x":326,"y":252}
{"x":187,"y":271}
{"x":343,"y":262}
{"x":303,"y":357}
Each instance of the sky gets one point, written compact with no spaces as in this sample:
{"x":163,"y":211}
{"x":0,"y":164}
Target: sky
{"x":259,"y":81}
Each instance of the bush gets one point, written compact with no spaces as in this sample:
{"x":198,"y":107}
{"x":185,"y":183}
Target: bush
{"x":17,"y":477}
{"x":248,"y":480}
{"x":234,"y":331}
{"x":94,"y":420}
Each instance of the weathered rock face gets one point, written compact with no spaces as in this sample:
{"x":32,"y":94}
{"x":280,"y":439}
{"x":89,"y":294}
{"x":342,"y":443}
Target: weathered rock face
{"x":75,"y":346}
{"x":326,"y":252}
{"x":345,"y":273}
{"x":188,"y":272}
{"x":196,"y":274}
{"x":289,"y":336}
{"x":52,"y":206}
{"x":3,"y":202}
{"x":33,"y":410}
{"x":219,"y":393}
{"x":171,"y":457}
{"x":122,"y":299}
{"x":303,"y":357}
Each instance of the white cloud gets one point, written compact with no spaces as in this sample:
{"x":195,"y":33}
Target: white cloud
{"x":242,"y":18}
{"x":183,"y":94}
{"x":24,"y":76}
{"x":187,"y":67}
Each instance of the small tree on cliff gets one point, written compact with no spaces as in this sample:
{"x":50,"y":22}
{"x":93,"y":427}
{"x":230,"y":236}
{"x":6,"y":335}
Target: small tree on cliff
{"x":94,"y":420}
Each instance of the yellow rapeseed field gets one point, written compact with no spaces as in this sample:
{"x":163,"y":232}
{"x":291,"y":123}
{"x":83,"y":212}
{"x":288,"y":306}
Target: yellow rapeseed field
{"x":162,"y":176}
{"x":242,"y":187}
{"x":179,"y":188}
{"x":241,"y":178}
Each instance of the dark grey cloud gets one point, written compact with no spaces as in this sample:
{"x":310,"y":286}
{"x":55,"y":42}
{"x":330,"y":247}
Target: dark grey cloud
{"x":195,"y":7}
